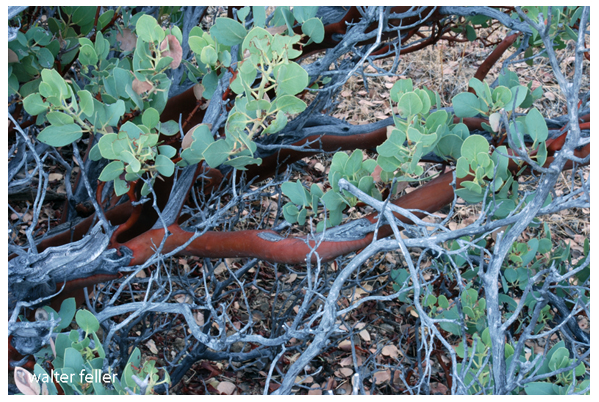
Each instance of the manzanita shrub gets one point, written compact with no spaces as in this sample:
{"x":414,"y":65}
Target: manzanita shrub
{"x":103,"y":80}
{"x":132,"y":85}
{"x":419,"y":131}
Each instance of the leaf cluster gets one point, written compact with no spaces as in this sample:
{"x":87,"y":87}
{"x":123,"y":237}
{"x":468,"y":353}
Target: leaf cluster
{"x":78,"y":362}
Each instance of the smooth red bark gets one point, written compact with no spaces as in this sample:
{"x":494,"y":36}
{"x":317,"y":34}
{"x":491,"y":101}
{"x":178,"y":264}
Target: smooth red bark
{"x":292,"y":250}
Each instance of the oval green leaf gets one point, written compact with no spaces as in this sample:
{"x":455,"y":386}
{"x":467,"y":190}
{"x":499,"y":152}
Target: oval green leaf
{"x":314,"y":29}
{"x":165,"y":166}
{"x":150,"y":118}
{"x":228,"y":32}
{"x":291,"y":79}
{"x":466,"y":104}
{"x":59,"y":136}
{"x":474,"y":145}
{"x":87,"y":321}
{"x":34,"y":104}
{"x":112,"y":171}
{"x":409,"y":104}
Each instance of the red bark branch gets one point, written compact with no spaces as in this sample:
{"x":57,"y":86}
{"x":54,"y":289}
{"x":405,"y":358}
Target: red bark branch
{"x":293,"y":250}
{"x":490,"y":61}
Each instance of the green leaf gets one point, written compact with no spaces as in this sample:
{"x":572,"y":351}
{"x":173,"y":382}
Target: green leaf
{"x":197,"y":43}
{"x":283,"y":45}
{"x":508,"y":79}
{"x":245,"y":77}
{"x":165,"y":166}
{"x":470,"y":33}
{"x":126,"y":378}
{"x":132,"y":130}
{"x":517,"y":131}
{"x":510,"y":275}
{"x":87,"y":321}
{"x":105,"y":146}
{"x":466,"y":104}
{"x":27,"y":88}
{"x":506,"y":206}
{"x":559,"y":359}
{"x":469,"y":196}
{"x":84,"y":16}
{"x":131,"y":160}
{"x":400,"y":87}
{"x":332,"y":200}
{"x":120,"y":186}
{"x":501,"y":96}
{"x":474,"y":145}
{"x":253,"y":105}
{"x":113,"y":170}
{"x":41,"y":37}
{"x":519,"y":93}
{"x":443,"y":302}
{"x":148,"y":30}
{"x":73,"y":359}
{"x":290,"y":104}
{"x":228,"y":32}
{"x":147,"y":187}
{"x":45,"y":58}
{"x":278,"y":124}
{"x":88,"y":55}
{"x":86,"y":102}
{"x":122,"y":79}
{"x":290,"y":212}
{"x":539,"y":388}
{"x":208,"y":56}
{"x":225,"y":58}
{"x":369,"y":165}
{"x":296,"y":193}
{"x":388,"y":164}
{"x":301,"y":217}
{"x":450,"y":146}
{"x":259,"y":16}
{"x":59,"y":136}
{"x":210,"y":81}
{"x":304,"y":13}
{"x":59,"y":119}
{"x":291,"y":79}
{"x":241,"y":162}
{"x":280,"y":16}
{"x":66,"y":313}
{"x":57,"y":84}
{"x":354,"y":163}
{"x":40,"y":373}
{"x":314,"y":29}
{"x":201,"y":139}
{"x":482,"y":89}
{"x":169,"y":127}
{"x":150,"y":118}
{"x":536,"y":125}
{"x":243,"y":13}
{"x":339,"y":160}
{"x":216,"y":153}
{"x":426,"y":101}
{"x":113,"y":113}
{"x":159,"y":99}
{"x":366,"y":184}
{"x":34,"y":104}
{"x":393,"y":144}
{"x":167,"y":150}
{"x":482,"y":159}
{"x":409,"y":104}
{"x":105,"y":18}
{"x":450,"y":327}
